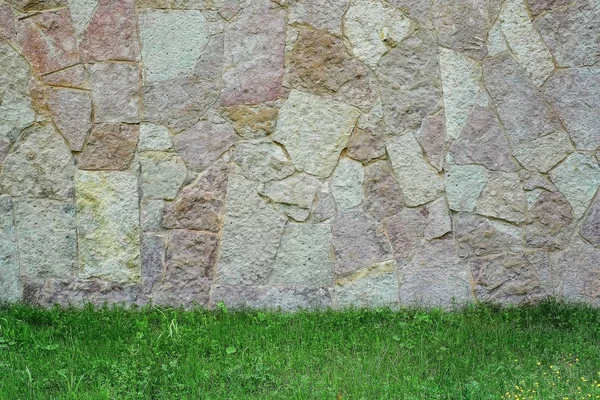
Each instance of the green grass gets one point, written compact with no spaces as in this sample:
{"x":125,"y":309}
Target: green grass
{"x":551,"y":351}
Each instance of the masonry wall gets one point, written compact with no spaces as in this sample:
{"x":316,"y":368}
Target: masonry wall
{"x":299,"y":153}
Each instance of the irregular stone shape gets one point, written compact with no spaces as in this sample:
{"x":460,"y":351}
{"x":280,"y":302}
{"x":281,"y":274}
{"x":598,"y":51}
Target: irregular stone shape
{"x":47,"y":41}
{"x":112,"y":33}
{"x":420,"y":183}
{"x":193,"y":251}
{"x":72,"y":113}
{"x":438,"y":219}
{"x":172,"y":41}
{"x":521,"y":108}
{"x":314,"y":131}
{"x":202,"y":144}
{"x":383,"y":196}
{"x":551,"y":217}
{"x":78,"y":293}
{"x":151,"y":214}
{"x":10,"y":286}
{"x":590,"y":229}
{"x":115,"y":90}
{"x":7,"y":23}
{"x":162,"y":174}
{"x":327,"y":16}
{"x":71,"y":77}
{"x":579,"y":39}
{"x":460,"y":81}
{"x":539,"y":6}
{"x":254,"y":52}
{"x":372,"y":27}
{"x":303,"y":256}
{"x":482,"y":141}
{"x":40,"y":165}
{"x":409,"y":82}
{"x":525,"y":41}
{"x":154,"y":137}
{"x":432,"y":139}
{"x":435,"y":277}
{"x":358,"y":242}
{"x":463,"y":25}
{"x":464,"y":184}
{"x":405,"y":231}
{"x":200,"y":204}
{"x":252,"y":122}
{"x":496,"y":43}
{"x":574,"y":93}
{"x":346,"y":183}
{"x":374,"y":286}
{"x":37,"y":5}
{"x":110,"y":147}
{"x":577,"y":274}
{"x":181,"y":288}
{"x":262,"y":161}
{"x":324,"y":206}
{"x":544,"y":153}
{"x":477,"y":236}
{"x":230,"y":9}
{"x":108,"y":225}
{"x":512,"y":278}
{"x":280,"y":298}
{"x":535,"y":180}
{"x":503,"y":197}
{"x":297,"y":190}
{"x":416,"y":9}
{"x":47,"y":238}
{"x":250,"y":235}
{"x":320,"y":64}
{"x":16,"y":111}
{"x":366,"y":144}
{"x":577,"y":178}
{"x":153,"y":251}
{"x":81,"y":13}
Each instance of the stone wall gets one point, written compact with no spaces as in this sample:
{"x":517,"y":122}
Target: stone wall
{"x":299,"y":153}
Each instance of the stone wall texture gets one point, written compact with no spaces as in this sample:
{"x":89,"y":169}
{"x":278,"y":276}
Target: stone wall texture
{"x":299,"y":153}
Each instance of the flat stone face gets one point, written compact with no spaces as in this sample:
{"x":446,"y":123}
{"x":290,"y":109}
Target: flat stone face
{"x":436,"y":277}
{"x":324,"y":206}
{"x":574,"y":94}
{"x":415,"y":9}
{"x":272,"y":297}
{"x":464,"y":184}
{"x":318,"y":14}
{"x":172,"y":41}
{"x":110,"y":147}
{"x":154,"y":137}
{"x":579,"y":38}
{"x":250,"y":235}
{"x":192,"y":251}
{"x":7,"y":23}
{"x":358,"y":242}
{"x":108,"y":225}
{"x":420,"y":183}
{"x":153,"y":254}
{"x":204,"y":143}
{"x":551,"y":218}
{"x":293,"y":195}
{"x":111,"y":33}
{"x":483,"y":142}
{"x":525,"y":42}
{"x":47,"y":238}
{"x":320,"y":64}
{"x":151,"y":214}
{"x":372,"y":27}
{"x":303,"y":257}
{"x":71,"y":77}
{"x":477,"y":236}
{"x":432,"y":139}
{"x":544,"y":153}
{"x":115,"y":91}
{"x":409,"y":82}
{"x":462,"y":25}
{"x":383,"y":196}
{"x":577,"y":178}
{"x":252,"y":122}
{"x":366,"y":144}
{"x":405,"y":231}
{"x":262,"y":161}
{"x":162,"y":174}
{"x":438,"y":219}
{"x":496,"y":43}
{"x":460,"y":81}
{"x":503,"y":197}
{"x":47,"y":41}
{"x":81,"y":13}
{"x":200,"y":204}
{"x":39,"y":165}
{"x":314,"y":131}
{"x":346,"y":184}
{"x":72,"y":113}
{"x":590,"y":229}
{"x":10,"y":286}
{"x":538,"y":6}
{"x":254,"y":50}
{"x":374,"y":286}
{"x":523,"y":112}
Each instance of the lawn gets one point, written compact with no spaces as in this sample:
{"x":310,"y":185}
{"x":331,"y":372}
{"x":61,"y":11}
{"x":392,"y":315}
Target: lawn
{"x":550,"y":351}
